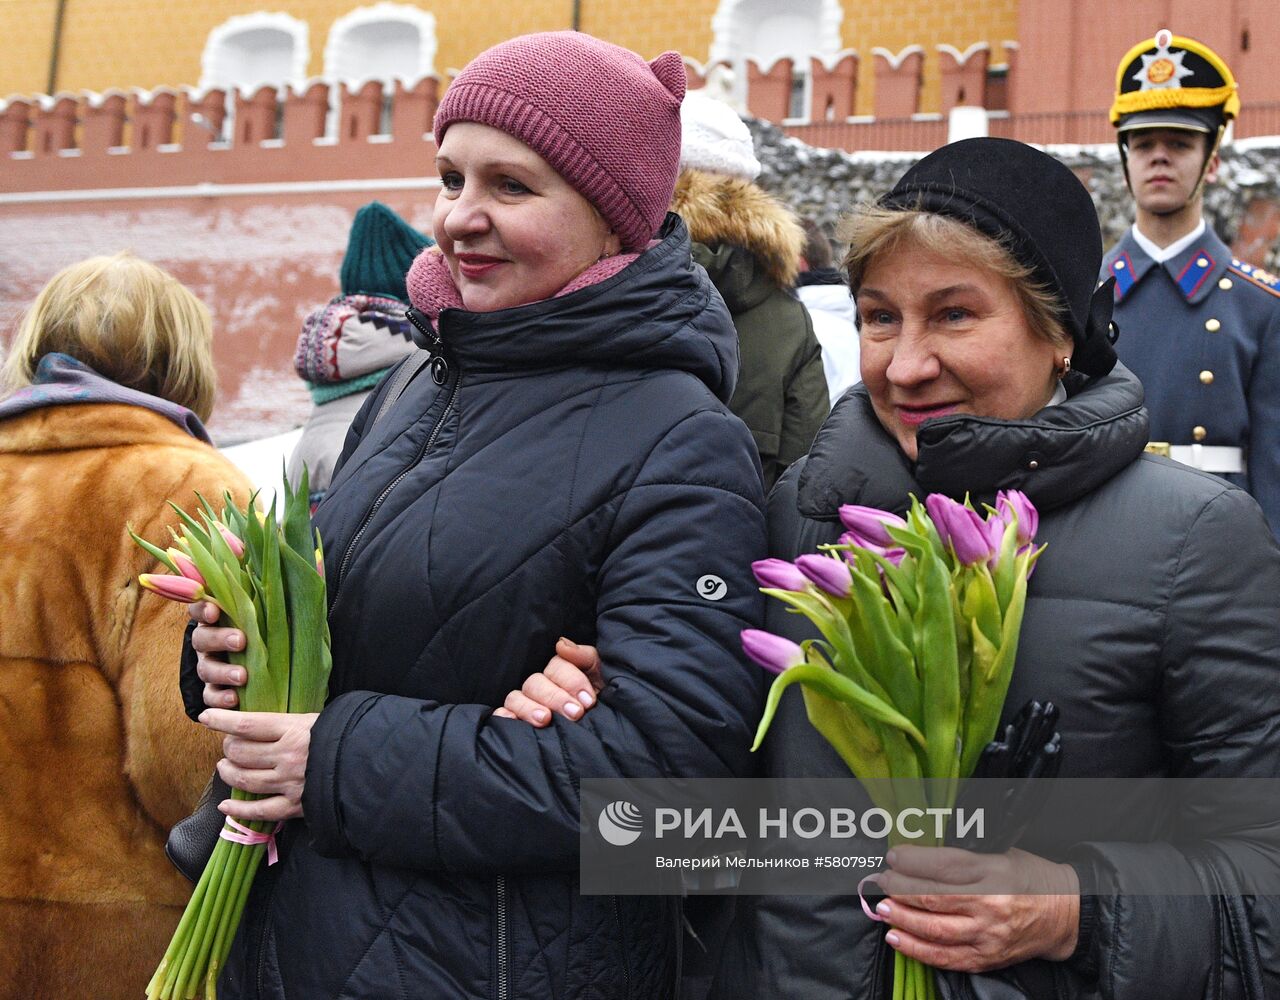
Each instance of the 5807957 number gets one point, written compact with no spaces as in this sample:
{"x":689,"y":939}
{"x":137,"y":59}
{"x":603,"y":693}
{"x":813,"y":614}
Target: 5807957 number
{"x":849,"y":861}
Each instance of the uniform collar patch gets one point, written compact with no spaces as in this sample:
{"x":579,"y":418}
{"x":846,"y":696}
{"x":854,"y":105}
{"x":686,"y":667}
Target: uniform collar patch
{"x":1195,"y":272}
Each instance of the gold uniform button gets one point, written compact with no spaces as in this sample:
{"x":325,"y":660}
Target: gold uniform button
{"x":1224,"y":284}
{"x":1199,"y":433}
{"x":1212,"y":325}
{"x":1206,"y":377}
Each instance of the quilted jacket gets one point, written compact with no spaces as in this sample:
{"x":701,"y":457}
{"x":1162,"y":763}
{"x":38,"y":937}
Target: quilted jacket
{"x":1153,"y":623}
{"x":569,"y":469}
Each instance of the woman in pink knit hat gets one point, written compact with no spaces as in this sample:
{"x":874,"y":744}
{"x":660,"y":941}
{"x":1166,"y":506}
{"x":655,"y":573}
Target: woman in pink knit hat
{"x":557,"y":460}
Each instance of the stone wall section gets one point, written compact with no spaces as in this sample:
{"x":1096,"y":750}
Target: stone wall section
{"x":1244,"y":205}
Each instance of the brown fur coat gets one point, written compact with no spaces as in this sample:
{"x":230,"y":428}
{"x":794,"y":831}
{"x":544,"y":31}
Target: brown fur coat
{"x":97,"y":759}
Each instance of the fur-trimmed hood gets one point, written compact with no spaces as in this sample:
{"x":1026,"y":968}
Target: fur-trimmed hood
{"x":727,"y":210}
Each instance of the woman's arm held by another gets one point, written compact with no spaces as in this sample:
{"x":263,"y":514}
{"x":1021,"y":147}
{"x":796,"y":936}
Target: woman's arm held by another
{"x":567,"y":686}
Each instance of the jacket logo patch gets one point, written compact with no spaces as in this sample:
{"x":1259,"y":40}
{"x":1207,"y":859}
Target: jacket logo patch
{"x":711,"y":588}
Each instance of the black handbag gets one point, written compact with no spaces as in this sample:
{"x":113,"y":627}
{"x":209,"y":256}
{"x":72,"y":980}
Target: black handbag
{"x":191,"y":842}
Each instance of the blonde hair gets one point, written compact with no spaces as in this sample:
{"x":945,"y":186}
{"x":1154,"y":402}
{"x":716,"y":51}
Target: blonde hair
{"x":872,"y":230}
{"x":130,"y":322}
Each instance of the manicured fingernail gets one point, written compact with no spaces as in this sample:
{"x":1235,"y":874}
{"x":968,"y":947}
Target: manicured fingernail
{"x":229,"y":698}
{"x":586,"y":699}
{"x":573,"y":709}
{"x":539,"y":715}
{"x":202,"y":718}
{"x":223,"y":808}
{"x":891,"y":858}
{"x":884,"y":909}
{"x":568,"y":642}
{"x":236,"y":642}
{"x":238,"y":676}
{"x":893,"y":939}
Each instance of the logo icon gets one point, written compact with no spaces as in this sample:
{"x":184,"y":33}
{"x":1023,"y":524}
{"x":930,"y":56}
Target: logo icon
{"x":712,"y":588}
{"x":620,"y":823}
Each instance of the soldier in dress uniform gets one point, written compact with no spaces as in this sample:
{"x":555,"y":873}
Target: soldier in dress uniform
{"x":1200,"y":328}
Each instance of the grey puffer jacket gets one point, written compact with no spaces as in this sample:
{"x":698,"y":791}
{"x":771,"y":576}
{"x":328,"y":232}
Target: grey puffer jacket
{"x":1153,"y":621}
{"x":574,"y":472}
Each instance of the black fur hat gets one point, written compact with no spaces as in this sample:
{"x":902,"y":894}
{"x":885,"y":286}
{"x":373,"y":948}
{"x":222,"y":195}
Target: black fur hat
{"x":1036,"y":208}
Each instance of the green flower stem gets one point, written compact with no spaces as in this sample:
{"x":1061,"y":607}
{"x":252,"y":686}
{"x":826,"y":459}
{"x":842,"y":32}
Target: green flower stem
{"x":201,"y":944}
{"x":173,"y":954}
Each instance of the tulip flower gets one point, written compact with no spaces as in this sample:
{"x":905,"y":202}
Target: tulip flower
{"x":185,"y":565}
{"x":832,"y":575}
{"x":910,"y":666}
{"x":870,"y":523}
{"x":779,"y":574}
{"x":1011,"y":504}
{"x":961,"y":529}
{"x":259,"y":570}
{"x":894,"y":554}
{"x":232,"y":541}
{"x":175,"y":588}
{"x":772,"y":652}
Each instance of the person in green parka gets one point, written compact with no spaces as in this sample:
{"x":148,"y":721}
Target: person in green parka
{"x":751,"y":244}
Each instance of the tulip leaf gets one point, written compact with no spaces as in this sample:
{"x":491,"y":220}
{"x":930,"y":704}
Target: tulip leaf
{"x":154,"y":551}
{"x":276,"y":622}
{"x":310,"y":662}
{"x":881,"y":650}
{"x":297,"y":516}
{"x":936,"y":654}
{"x":192,"y":524}
{"x":839,"y":687}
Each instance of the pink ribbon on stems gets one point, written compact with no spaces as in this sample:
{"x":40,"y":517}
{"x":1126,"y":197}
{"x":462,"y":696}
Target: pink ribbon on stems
{"x":241,"y":834}
{"x":865,"y":908}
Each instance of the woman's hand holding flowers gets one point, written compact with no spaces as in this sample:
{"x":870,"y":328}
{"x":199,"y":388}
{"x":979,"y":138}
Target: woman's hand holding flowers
{"x":265,"y":753}
{"x":969,"y":912}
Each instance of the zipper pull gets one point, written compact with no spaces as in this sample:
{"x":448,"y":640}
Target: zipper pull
{"x":429,"y":339}
{"x":431,"y":342}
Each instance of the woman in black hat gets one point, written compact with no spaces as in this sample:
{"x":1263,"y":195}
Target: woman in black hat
{"x":1152,"y":619}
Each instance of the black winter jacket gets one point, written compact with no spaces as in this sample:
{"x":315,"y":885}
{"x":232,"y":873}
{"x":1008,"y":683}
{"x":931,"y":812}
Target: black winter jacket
{"x":1153,"y":621}
{"x":577,"y":473}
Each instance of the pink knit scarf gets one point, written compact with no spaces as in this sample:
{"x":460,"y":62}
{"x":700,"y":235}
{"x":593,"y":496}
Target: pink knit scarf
{"x":431,"y":287}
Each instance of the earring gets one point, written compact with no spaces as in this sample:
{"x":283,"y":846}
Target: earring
{"x":1064,"y":369}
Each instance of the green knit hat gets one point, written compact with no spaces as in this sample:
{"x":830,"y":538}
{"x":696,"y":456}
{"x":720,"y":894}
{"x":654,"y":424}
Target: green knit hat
{"x":379,"y":251}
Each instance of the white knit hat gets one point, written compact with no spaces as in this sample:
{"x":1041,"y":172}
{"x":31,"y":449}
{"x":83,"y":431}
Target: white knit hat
{"x":715,"y":139}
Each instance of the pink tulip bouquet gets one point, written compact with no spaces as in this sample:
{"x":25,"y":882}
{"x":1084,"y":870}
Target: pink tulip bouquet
{"x":919,"y":620}
{"x":267,"y":577}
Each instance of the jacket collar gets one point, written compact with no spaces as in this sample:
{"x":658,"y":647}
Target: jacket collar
{"x":659,"y":312}
{"x":1055,"y":456}
{"x":1194,"y":279}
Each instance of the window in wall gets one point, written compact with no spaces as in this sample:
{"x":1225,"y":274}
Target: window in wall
{"x":248,"y":51}
{"x":386,"y":42}
{"x":766,"y":30}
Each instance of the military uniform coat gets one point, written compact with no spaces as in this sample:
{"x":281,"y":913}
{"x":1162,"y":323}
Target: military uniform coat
{"x":1202,"y":333}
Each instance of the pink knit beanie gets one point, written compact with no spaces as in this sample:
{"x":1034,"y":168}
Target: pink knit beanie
{"x":607,"y":121}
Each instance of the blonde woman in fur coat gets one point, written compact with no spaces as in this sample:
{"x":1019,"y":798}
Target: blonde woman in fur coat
{"x":109,"y":378}
{"x":751,"y":244}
